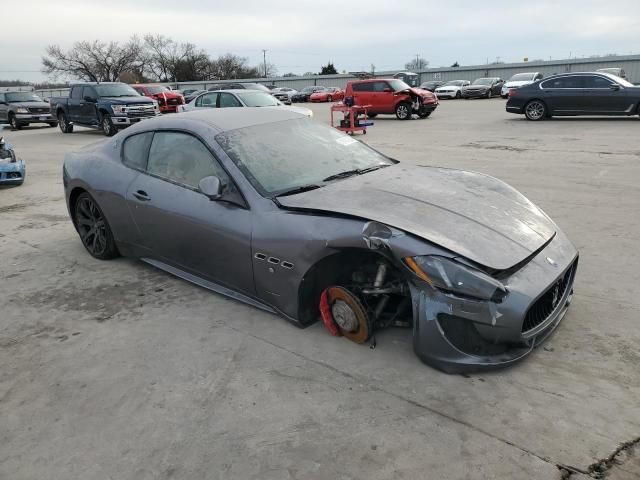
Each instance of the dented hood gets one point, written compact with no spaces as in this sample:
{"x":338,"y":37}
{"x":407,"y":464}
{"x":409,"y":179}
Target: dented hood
{"x":473,"y":215}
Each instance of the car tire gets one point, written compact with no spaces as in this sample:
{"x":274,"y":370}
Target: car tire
{"x":424,"y":114}
{"x":13,"y":121}
{"x":458,"y":95}
{"x":108,"y":128}
{"x":53,"y":124}
{"x":403,"y":111}
{"x":93,"y":228}
{"x":64,"y":124}
{"x":490,"y":94}
{"x":535,"y":110}
{"x":329,"y":98}
{"x":372,"y":115}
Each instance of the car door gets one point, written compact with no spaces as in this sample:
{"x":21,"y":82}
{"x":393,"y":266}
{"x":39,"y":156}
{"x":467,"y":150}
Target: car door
{"x":4,"y":108}
{"x":362,"y":94}
{"x":564,"y":94}
{"x":87,"y":110}
{"x":497,"y":87}
{"x":602,"y":95}
{"x":180,"y":225}
{"x":383,"y":97}
{"x":74,"y":107}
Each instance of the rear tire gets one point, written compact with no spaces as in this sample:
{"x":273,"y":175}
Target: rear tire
{"x":424,"y":114}
{"x":64,"y":124}
{"x":93,"y":228}
{"x":13,"y":121}
{"x":403,"y":111}
{"x":535,"y":110}
{"x":108,"y":128}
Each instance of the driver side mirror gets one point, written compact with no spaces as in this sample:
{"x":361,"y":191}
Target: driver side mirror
{"x":614,"y":87}
{"x":211,"y":187}
{"x":387,"y":90}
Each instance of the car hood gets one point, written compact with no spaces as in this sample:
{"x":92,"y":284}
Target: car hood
{"x":30,"y":104}
{"x":520,"y":83}
{"x":476,"y":87}
{"x":473,"y":215}
{"x":166,"y":94}
{"x":127,"y":100}
{"x":448,"y":87}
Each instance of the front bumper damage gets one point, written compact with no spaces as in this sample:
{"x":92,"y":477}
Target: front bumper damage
{"x":457,"y":334}
{"x":12,"y":172}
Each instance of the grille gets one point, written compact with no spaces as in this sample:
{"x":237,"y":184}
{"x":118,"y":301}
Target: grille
{"x":549,"y":302}
{"x":173,"y":101}
{"x":140,"y":111}
{"x":39,"y":110}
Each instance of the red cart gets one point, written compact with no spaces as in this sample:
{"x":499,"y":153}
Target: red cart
{"x":354,"y":119}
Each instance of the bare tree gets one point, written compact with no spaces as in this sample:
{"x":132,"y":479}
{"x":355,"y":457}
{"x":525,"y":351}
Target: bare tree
{"x":416,"y":64}
{"x":94,"y":61}
{"x":168,"y":60}
{"x":230,"y":66}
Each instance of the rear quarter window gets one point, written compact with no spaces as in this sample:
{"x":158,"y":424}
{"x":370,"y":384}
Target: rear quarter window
{"x":135,"y":150}
{"x":362,"y":87}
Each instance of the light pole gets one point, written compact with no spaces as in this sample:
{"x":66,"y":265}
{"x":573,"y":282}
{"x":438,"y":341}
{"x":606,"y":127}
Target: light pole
{"x":264,"y":59}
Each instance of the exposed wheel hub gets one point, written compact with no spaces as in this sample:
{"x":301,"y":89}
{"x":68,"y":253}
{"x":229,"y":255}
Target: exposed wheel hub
{"x":344,"y":316}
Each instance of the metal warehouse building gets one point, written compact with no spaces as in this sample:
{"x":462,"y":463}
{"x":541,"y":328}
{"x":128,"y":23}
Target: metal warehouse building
{"x":630,"y":63}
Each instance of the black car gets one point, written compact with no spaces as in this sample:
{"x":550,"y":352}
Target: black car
{"x":575,"y":94}
{"x":305,"y":93}
{"x":432,"y":85}
{"x":191,"y":94}
{"x":483,"y":88}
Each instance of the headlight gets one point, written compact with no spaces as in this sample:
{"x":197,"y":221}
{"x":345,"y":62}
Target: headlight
{"x":119,"y":109}
{"x":450,"y":276}
{"x":22,"y":110}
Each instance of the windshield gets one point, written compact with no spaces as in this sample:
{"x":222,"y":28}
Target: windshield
{"x":455,"y":83}
{"x":398,"y":85}
{"x":522,"y":77}
{"x":116,"y":90}
{"x":258,"y":99}
{"x":483,"y":81}
{"x":14,"y":97}
{"x":157,"y":89}
{"x":308,"y":89}
{"x":277,"y":157}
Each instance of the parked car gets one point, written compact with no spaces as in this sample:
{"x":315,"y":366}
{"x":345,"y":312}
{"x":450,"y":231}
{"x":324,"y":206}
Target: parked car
{"x":168,"y":100}
{"x":20,"y":109}
{"x":451,"y":89}
{"x":193,"y":94}
{"x":238,"y":86}
{"x":431,"y":85}
{"x":296,"y":218}
{"x":12,"y":169}
{"x":575,"y":94}
{"x":483,"y":88}
{"x":410,"y":78}
{"x":391,"y":96}
{"x":329,"y":94}
{"x":109,"y":106}
{"x":520,"y":80}
{"x":239,"y":98}
{"x":284,"y":94}
{"x":618,"y":72}
{"x":304,"y":94}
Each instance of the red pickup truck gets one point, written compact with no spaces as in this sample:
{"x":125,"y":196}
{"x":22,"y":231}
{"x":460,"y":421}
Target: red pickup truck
{"x":391,"y":96}
{"x":168,"y":100}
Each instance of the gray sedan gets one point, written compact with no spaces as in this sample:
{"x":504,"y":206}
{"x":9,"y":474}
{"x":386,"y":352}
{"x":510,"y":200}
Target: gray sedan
{"x":294,"y":217}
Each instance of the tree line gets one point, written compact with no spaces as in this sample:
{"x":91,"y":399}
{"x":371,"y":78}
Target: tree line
{"x":150,"y":58}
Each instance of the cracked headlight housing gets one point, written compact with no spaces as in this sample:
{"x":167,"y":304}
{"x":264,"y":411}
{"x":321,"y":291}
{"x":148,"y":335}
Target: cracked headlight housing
{"x":453,"y":277}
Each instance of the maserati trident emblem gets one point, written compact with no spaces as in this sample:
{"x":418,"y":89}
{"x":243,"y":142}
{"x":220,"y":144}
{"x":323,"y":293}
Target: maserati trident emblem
{"x":552,"y":262}
{"x":556,"y":295}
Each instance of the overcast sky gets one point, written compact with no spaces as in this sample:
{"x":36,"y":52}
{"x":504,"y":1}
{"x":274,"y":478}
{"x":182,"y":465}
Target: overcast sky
{"x":302,"y":35}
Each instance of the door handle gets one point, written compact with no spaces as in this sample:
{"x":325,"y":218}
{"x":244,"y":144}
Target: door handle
{"x":142,"y":196}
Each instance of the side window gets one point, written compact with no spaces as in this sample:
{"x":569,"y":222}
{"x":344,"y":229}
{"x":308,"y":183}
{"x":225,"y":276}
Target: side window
{"x":538,"y":77}
{"x":89,"y":92}
{"x":207,"y":100}
{"x":563,"y":82}
{"x":2,"y":97}
{"x":380,"y":86}
{"x":363,"y":87}
{"x":76,"y":92}
{"x":227,"y":100}
{"x":594,"y":81}
{"x":136,"y":150}
{"x":182,"y":158}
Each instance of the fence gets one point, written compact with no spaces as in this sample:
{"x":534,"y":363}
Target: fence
{"x":630,"y":63}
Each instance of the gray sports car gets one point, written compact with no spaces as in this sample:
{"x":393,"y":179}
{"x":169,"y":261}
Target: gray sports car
{"x":296,"y":218}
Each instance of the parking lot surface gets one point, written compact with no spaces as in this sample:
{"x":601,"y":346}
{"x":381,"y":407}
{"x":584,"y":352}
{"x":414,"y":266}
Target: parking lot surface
{"x":115,"y":370}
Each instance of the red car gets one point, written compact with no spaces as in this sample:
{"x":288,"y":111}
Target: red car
{"x":327,"y":95}
{"x":391,"y":95}
{"x":168,"y":100}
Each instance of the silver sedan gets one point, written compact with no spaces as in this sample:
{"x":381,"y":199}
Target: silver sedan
{"x":239,"y":98}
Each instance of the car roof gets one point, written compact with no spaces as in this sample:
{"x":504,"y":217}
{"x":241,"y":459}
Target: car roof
{"x":225,"y":119}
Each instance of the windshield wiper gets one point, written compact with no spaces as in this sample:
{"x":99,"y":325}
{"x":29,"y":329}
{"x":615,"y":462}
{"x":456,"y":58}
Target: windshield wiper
{"x":293,"y":191}
{"x":351,"y":173}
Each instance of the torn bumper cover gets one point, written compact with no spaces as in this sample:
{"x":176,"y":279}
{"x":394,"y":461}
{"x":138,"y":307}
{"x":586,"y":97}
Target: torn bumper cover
{"x":456,"y":334}
{"x":12,"y":170}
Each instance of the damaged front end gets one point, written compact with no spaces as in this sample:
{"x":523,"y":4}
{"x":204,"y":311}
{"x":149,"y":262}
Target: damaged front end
{"x":463,"y":318}
{"x":12,"y":170}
